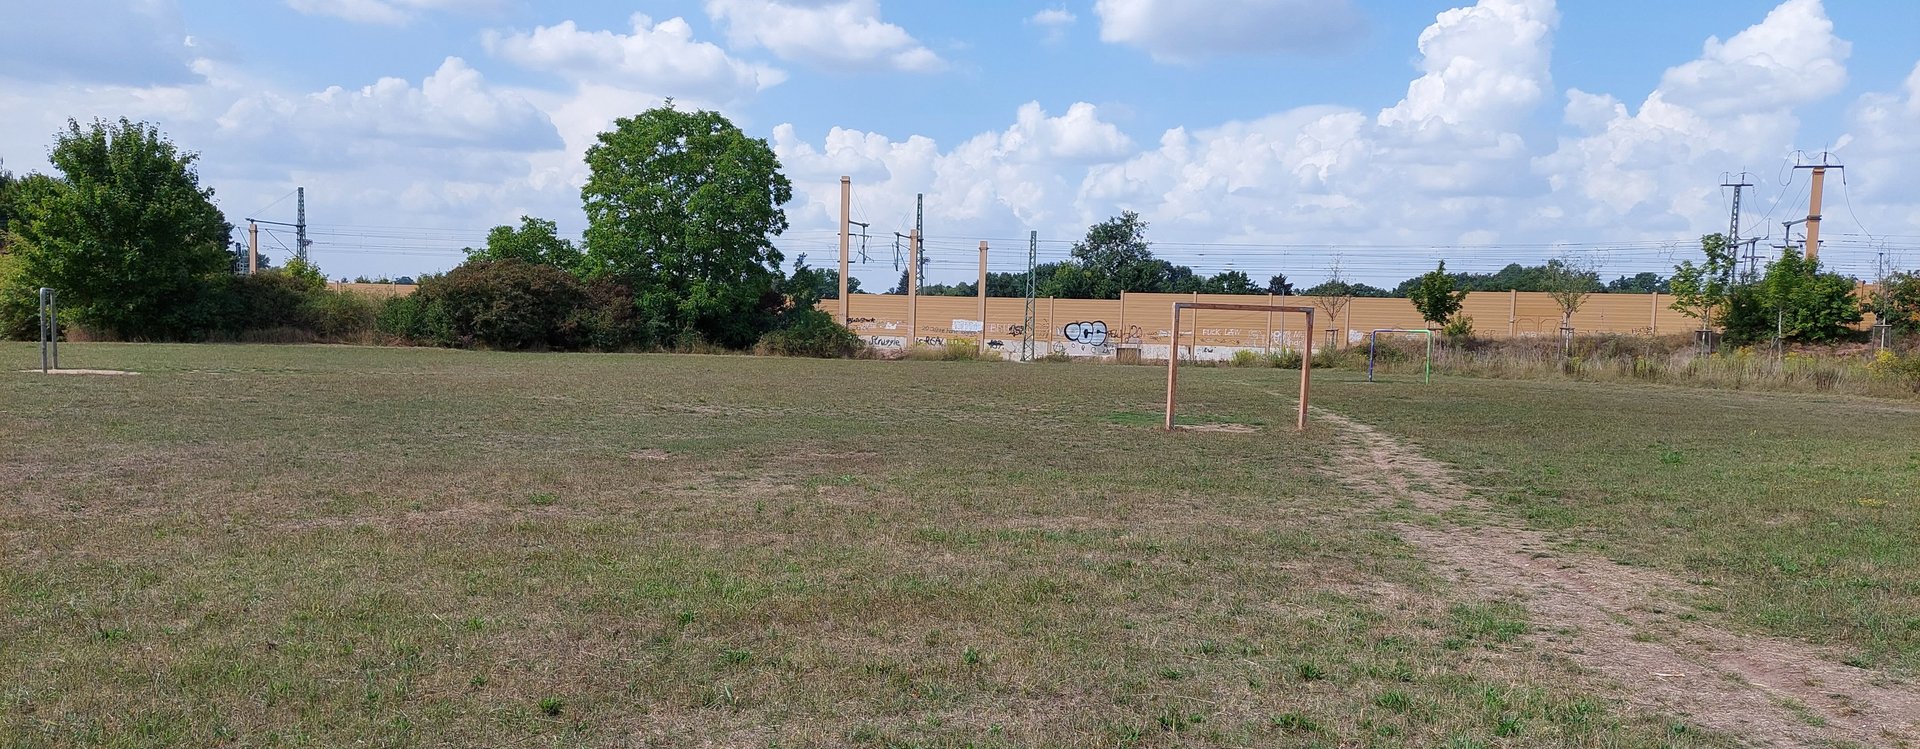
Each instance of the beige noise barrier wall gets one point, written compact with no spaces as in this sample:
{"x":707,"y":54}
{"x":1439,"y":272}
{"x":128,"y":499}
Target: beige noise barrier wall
{"x":1101,"y":327}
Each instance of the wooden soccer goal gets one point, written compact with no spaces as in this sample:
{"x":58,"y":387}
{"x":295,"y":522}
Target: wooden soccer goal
{"x":1173,"y":352}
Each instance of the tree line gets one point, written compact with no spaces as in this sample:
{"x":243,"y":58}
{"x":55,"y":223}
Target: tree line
{"x":682,"y":208}
{"x":1115,"y":256}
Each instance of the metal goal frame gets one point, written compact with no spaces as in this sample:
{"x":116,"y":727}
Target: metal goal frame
{"x":1373,"y":341}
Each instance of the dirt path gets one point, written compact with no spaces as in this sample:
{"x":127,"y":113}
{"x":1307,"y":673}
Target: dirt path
{"x":1618,"y":621}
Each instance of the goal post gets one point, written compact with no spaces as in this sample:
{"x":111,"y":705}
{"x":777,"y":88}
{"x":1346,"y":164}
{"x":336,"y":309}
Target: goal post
{"x":1373,"y":346}
{"x":49,"y":330}
{"x":1173,"y":352}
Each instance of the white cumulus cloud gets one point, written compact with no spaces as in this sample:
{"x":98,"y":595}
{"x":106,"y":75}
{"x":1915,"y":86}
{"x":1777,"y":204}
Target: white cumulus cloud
{"x":846,"y":35}
{"x":1729,"y":109}
{"x":1881,"y":151}
{"x":1021,"y":176}
{"x":656,"y":57}
{"x":1055,"y":21}
{"x":1792,"y":57}
{"x":1482,"y":65}
{"x":452,"y":106}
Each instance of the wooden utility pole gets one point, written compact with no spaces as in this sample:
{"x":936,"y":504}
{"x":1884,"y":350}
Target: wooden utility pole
{"x":983,"y":298}
{"x":913,"y":288}
{"x":846,"y":242}
{"x":1813,"y":211}
{"x":253,"y":247}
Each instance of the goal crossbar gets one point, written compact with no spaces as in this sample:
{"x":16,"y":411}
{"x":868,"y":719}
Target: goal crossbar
{"x":1173,"y":352}
{"x":1373,"y":341}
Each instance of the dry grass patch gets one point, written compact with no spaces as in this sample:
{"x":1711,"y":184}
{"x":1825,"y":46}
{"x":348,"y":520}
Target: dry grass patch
{"x":402,"y":547}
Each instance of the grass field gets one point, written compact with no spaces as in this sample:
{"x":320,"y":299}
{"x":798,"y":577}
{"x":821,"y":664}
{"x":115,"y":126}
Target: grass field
{"x":1798,"y":511}
{"x":322,"y":546}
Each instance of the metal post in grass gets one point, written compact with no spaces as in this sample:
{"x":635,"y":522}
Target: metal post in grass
{"x":49,"y":331}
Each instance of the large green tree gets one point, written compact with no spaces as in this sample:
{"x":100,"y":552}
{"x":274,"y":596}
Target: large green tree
{"x":1435,"y":297}
{"x":683,"y":207}
{"x":536,"y":242}
{"x":1118,"y":258}
{"x":127,"y":235}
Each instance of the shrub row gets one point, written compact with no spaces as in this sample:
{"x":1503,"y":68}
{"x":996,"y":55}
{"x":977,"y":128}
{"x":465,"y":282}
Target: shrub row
{"x":512,"y":305}
{"x":276,"y":305}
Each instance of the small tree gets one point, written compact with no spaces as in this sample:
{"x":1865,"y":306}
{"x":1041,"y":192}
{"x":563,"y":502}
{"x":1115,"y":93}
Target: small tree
{"x":1333,"y":295}
{"x":1794,"y":301}
{"x":1701,"y":290}
{"x":808,"y":285}
{"x":1638,"y":283}
{"x":1231,"y":282}
{"x":1569,"y":281}
{"x":1897,"y":302}
{"x":537,"y":241}
{"x":1435,"y":297}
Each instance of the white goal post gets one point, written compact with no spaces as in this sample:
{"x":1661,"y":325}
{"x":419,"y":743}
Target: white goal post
{"x":1173,"y":352}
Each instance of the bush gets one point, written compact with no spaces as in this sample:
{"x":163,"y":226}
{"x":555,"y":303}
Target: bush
{"x":1904,"y":370}
{"x":811,"y":332}
{"x":1794,"y":300}
{"x":1246,"y":358}
{"x":288,"y":307}
{"x":1460,"y":327}
{"x":19,"y":302}
{"x":609,"y":321}
{"x":958,"y":350}
{"x":405,"y":318}
{"x":274,"y":299}
{"x":342,"y":316}
{"x":500,"y":304}
{"x":1285,"y":359}
{"x":513,"y":305}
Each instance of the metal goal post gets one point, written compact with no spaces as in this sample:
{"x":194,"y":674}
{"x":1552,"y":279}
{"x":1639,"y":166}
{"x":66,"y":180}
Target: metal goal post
{"x":49,"y":330}
{"x":1173,"y":352}
{"x":1373,"y":341}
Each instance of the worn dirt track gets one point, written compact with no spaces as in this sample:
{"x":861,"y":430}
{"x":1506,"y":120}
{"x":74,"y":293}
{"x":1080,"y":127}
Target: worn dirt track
{"x":1619,"y":621}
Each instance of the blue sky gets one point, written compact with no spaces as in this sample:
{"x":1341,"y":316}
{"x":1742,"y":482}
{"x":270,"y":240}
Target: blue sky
{"x":1262,"y":135}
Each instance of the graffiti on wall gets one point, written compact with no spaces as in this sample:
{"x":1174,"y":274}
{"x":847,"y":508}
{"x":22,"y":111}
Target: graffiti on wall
{"x":1089,"y":333}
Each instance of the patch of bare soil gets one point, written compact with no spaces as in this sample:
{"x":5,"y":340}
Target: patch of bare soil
{"x":1224,"y":428}
{"x":1613,"y":619}
{"x":108,"y":372}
